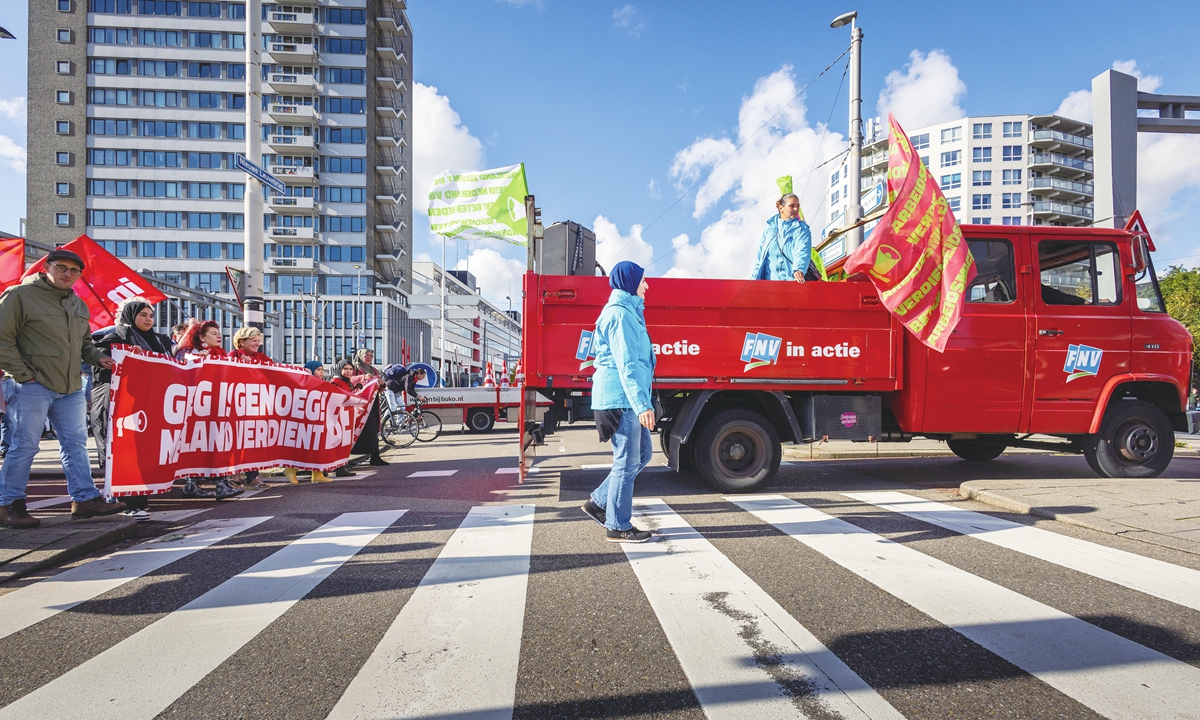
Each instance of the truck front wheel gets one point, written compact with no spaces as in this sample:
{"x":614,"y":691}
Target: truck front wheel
{"x":738,"y":451}
{"x":1136,"y":440}
{"x":976,"y":450}
{"x":480,"y":420}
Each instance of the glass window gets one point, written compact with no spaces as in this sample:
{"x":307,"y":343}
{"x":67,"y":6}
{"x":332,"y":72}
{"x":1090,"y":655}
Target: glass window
{"x":63,"y":67}
{"x":61,"y":188}
{"x":920,"y":142}
{"x":63,"y":97}
{"x":62,"y":158}
{"x":64,"y":5}
{"x":1012,"y":177}
{"x":981,"y":221}
{"x":981,"y":154}
{"x":955,"y":203}
{"x":981,"y":202}
{"x":62,"y":127}
{"x":1010,"y":220}
{"x":62,"y":219}
{"x":1149,"y":295}
{"x":981,"y":178}
{"x":995,"y":279}
{"x":1012,"y":153}
{"x":981,"y":131}
{"x":952,"y":158}
{"x":64,"y":36}
{"x":1012,"y":129}
{"x":953,"y":134}
{"x":1010,"y":201}
{"x":1079,"y":273}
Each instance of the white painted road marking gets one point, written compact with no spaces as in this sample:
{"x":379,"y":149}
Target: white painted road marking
{"x":1116,"y":677}
{"x":433,"y":473}
{"x":48,"y":502}
{"x":143,"y":674}
{"x":453,"y":649}
{"x":1173,"y":583}
{"x":597,"y":466}
{"x":32,"y":604}
{"x":723,"y":626}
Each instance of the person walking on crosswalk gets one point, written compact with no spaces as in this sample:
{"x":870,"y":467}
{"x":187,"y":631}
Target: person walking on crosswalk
{"x":621,"y":400}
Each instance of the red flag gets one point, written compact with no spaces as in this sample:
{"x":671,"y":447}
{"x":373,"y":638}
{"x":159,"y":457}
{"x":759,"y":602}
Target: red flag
{"x":916,"y":257}
{"x":105,"y":282}
{"x":12,"y":261}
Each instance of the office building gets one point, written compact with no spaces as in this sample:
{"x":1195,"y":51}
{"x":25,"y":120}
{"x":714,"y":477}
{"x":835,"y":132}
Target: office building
{"x":137,"y":111}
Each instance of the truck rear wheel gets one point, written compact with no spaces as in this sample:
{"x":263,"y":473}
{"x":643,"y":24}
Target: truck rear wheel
{"x":1136,"y":440}
{"x":480,"y":420}
{"x":738,"y":451}
{"x":978,"y":450}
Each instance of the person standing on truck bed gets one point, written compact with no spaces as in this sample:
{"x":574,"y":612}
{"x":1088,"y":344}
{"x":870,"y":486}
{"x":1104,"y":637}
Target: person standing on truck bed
{"x":621,"y":400}
{"x":785,"y":250}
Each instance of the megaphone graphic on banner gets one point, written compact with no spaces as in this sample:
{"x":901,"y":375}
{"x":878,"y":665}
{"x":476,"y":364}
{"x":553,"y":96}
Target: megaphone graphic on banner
{"x":135,"y":422}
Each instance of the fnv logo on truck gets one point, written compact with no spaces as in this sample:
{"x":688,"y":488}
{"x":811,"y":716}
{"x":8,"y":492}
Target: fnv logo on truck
{"x":760,"y":349}
{"x":1082,"y":361}
{"x":583,"y":349}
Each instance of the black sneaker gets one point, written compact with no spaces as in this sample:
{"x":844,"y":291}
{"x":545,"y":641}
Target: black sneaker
{"x":632,"y":535}
{"x":594,"y":511}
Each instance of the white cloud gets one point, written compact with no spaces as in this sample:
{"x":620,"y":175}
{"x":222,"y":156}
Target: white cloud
{"x":440,"y":142}
{"x":495,"y":275}
{"x":612,"y":247}
{"x":1078,"y":105}
{"x":629,"y":20}
{"x":1146,"y":83}
{"x":13,"y":109}
{"x":655,"y":192}
{"x":12,"y":154}
{"x":926,"y":92}
{"x":777,"y":139}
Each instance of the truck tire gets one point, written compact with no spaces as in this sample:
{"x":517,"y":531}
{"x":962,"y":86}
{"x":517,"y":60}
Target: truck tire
{"x":480,"y":420}
{"x":1136,"y":440}
{"x":978,"y":450}
{"x":738,"y":451}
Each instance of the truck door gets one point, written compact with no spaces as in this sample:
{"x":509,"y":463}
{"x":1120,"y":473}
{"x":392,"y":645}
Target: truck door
{"x":1083,"y":331}
{"x":978,"y":383}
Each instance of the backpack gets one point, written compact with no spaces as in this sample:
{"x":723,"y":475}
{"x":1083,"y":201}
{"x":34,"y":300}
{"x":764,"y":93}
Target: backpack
{"x":395,"y":372}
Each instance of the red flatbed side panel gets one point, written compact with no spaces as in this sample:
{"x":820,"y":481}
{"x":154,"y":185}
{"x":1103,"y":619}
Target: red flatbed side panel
{"x":729,"y":333}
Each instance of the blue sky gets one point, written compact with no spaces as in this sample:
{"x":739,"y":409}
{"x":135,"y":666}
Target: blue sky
{"x":618,"y":108}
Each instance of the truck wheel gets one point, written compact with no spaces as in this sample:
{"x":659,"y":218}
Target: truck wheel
{"x":976,"y":450}
{"x":738,"y":451}
{"x":1136,"y":440}
{"x":480,"y":420}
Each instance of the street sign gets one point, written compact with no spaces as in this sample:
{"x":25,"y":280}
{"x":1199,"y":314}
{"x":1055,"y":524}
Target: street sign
{"x":872,"y":198}
{"x":1137,"y":226}
{"x":258,"y":173}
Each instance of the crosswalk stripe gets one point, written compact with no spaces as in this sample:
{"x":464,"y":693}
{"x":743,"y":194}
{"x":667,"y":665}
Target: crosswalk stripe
{"x":744,"y":655}
{"x":32,"y":604}
{"x":143,"y":674}
{"x":1116,"y":677}
{"x":454,"y":648}
{"x":1173,"y":583}
{"x":48,"y":502}
{"x":432,"y":473}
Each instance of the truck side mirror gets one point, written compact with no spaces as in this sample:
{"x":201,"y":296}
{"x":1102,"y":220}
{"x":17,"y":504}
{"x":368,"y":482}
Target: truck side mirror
{"x":1140,"y":251}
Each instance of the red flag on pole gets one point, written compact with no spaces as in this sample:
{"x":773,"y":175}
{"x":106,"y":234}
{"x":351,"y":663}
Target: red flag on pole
{"x":916,"y":257}
{"x":105,"y":282}
{"x":12,"y":261}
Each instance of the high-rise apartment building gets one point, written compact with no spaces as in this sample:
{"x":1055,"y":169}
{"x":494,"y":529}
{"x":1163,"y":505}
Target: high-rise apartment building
{"x":994,"y":170}
{"x":137,"y":111}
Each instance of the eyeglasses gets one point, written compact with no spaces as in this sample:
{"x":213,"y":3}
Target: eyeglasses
{"x":65,"y":269}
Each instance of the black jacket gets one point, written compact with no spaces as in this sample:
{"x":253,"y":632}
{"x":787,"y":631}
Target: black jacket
{"x":126,"y":335}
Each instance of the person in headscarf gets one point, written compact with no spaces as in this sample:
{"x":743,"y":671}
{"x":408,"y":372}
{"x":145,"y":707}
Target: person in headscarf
{"x":364,"y":372}
{"x":135,"y":326}
{"x":621,"y":400}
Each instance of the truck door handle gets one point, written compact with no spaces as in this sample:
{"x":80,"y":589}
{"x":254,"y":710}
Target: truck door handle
{"x":1050,"y":333}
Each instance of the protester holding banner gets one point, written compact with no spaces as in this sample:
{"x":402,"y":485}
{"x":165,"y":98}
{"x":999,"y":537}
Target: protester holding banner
{"x":368,"y":442}
{"x":343,"y":377}
{"x":247,"y":344}
{"x":44,"y":332}
{"x":135,"y":327}
{"x":203,"y":340}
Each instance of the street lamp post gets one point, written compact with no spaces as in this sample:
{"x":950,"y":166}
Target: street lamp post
{"x":854,"y":213}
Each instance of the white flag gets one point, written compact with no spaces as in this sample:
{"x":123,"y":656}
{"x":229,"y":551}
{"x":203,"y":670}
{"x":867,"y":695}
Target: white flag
{"x":474,"y":204}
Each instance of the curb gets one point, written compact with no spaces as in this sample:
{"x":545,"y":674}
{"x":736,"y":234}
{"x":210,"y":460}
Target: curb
{"x":47,"y":555}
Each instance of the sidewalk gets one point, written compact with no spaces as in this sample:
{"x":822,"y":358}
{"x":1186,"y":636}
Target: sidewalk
{"x":922,"y":447}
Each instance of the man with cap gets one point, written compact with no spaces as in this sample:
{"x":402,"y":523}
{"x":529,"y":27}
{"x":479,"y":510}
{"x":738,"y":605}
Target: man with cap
{"x":44,"y":333}
{"x":621,"y":400}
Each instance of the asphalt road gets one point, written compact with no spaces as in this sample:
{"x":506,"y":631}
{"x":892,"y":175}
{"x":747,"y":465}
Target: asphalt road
{"x":460,"y":594}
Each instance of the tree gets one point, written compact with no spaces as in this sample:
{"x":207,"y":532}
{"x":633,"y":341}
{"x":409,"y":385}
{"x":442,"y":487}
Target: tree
{"x":1181,"y":291}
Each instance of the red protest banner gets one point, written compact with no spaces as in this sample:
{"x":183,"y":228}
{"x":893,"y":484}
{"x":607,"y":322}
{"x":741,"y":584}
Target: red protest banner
{"x":916,"y":257}
{"x":12,"y":261}
{"x":105,"y":282}
{"x":170,"y":419}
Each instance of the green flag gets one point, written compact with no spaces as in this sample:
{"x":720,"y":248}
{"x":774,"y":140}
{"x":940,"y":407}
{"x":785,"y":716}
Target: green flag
{"x":785,"y":185}
{"x":480,"y":203}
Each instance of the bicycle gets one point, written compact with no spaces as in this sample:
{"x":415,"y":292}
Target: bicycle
{"x":399,"y":428}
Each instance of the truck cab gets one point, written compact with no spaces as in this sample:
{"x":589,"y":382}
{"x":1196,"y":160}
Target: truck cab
{"x":1064,"y":333}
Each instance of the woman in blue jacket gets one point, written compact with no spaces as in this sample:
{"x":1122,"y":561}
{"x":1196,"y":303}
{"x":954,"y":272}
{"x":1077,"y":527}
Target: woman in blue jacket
{"x":621,"y":400}
{"x":786,"y":245}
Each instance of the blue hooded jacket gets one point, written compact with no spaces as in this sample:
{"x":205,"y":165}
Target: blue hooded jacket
{"x":624,"y":360}
{"x":785,"y":249}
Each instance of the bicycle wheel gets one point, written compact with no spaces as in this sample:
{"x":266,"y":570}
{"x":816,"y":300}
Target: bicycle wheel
{"x":397,"y":429}
{"x":428,"y":427}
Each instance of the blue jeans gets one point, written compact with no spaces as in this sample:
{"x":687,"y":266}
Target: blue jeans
{"x":28,"y":413}
{"x":10,"y":391}
{"x":632,"y":450}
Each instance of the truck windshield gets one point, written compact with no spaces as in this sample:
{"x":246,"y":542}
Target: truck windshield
{"x":1149,"y":297}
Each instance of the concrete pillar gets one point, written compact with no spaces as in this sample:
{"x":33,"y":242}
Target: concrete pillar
{"x":1114,"y":133}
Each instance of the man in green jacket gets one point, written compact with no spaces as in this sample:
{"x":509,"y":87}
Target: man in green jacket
{"x":44,"y":332}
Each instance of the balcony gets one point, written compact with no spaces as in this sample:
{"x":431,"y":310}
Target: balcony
{"x":870,"y":161}
{"x":290,"y":23}
{"x":291,"y":84}
{"x":394,"y":227}
{"x":283,"y":143}
{"x":1063,"y":161}
{"x":1052,"y":185}
{"x":394,"y":170}
{"x":1063,"y":211}
{"x":387,"y":107}
{"x":286,"y":264}
{"x":391,"y":141}
{"x":391,"y":82}
{"x":285,"y":53}
{"x":396,"y":199}
{"x":290,"y":233}
{"x":284,"y":202}
{"x":294,"y":173}
{"x":390,"y":257}
{"x":282,"y":112}
{"x":1053,"y":139}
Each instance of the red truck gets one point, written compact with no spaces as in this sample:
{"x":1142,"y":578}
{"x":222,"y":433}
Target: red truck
{"x":1064,"y":333}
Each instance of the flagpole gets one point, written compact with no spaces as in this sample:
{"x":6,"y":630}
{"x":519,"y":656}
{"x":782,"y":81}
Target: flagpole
{"x":442,"y":357}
